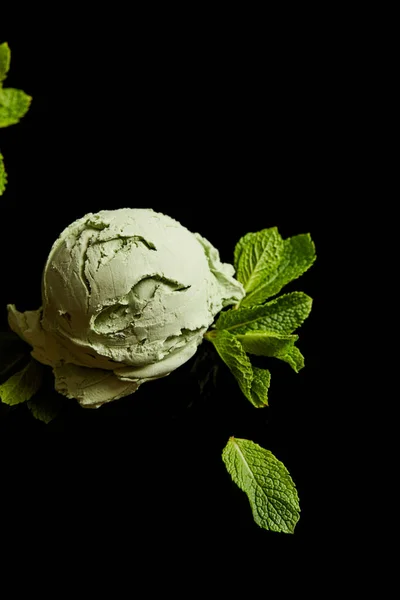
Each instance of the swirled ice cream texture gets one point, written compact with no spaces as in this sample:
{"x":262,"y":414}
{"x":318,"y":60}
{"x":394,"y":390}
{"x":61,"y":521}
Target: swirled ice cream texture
{"x":126,"y":298}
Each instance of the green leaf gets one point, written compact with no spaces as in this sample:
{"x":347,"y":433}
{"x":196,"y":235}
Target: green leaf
{"x":266,"y":343}
{"x":21,"y":386}
{"x":267,"y":483}
{"x":3,"y":175}
{"x":45,"y":408}
{"x":5,"y":57}
{"x":297,"y":257}
{"x":13,"y":106}
{"x":282,"y":315}
{"x":275,"y":345}
{"x":253,"y":382}
{"x":293,"y":357}
{"x":256,"y":258}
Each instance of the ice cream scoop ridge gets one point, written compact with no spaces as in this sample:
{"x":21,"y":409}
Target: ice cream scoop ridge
{"x":126,"y":298}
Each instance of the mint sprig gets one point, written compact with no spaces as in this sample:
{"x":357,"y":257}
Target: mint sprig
{"x":267,"y":483}
{"x":14,"y":104}
{"x":265,"y":263}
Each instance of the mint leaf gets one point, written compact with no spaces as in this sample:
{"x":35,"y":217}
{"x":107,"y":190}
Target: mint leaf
{"x":275,"y":345}
{"x":45,"y":408}
{"x":13,"y":106}
{"x":266,"y":343}
{"x":3,"y":175}
{"x":298,"y":256}
{"x":253,"y":382}
{"x":282,"y":315}
{"x":267,"y":483}
{"x":5,"y":57}
{"x":256,"y":258}
{"x":293,"y":357}
{"x":21,"y":386}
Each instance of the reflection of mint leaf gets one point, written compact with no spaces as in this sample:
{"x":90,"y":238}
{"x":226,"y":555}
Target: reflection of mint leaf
{"x":253,"y":382}
{"x":5,"y":57}
{"x":45,"y":408}
{"x":3,"y":175}
{"x":267,"y":483}
{"x":265,"y":263}
{"x":282,"y":315}
{"x":21,"y":386}
{"x":13,"y":106}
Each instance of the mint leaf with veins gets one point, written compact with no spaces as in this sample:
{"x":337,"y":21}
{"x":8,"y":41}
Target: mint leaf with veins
{"x":265,"y":263}
{"x":21,"y":386}
{"x":253,"y":381}
{"x":293,"y":357}
{"x":256,"y":258}
{"x":282,"y":315}
{"x":267,"y":483}
{"x":14,"y":105}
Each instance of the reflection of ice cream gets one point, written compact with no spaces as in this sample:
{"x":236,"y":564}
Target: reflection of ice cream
{"x":127,"y":295}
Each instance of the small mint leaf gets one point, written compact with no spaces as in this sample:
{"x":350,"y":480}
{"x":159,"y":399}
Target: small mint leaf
{"x":267,"y":483}
{"x":21,"y":386}
{"x":14,"y":105}
{"x":256,"y":258}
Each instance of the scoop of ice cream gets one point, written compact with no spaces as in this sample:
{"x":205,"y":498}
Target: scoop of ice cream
{"x":126,"y":297}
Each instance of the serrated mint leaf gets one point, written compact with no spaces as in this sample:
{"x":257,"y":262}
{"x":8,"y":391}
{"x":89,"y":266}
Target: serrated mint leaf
{"x":297,"y":257}
{"x":45,"y":408}
{"x":257,"y":257}
{"x":293,"y":357}
{"x":267,"y":483}
{"x":3,"y":175}
{"x":282,"y":315}
{"x":260,"y":386}
{"x":14,"y":105}
{"x":253,"y":382}
{"x":21,"y":386}
{"x":5,"y":57}
{"x":266,"y":343}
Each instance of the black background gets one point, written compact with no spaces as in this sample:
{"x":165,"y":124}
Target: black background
{"x":227,"y":139}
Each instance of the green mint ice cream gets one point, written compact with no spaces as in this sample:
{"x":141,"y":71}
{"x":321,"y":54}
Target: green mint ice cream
{"x":127,"y":296}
